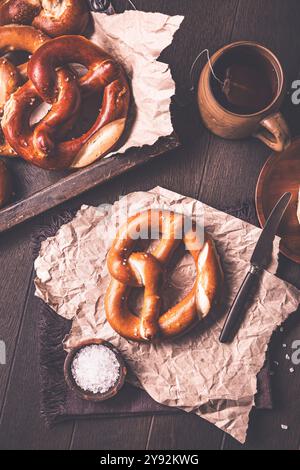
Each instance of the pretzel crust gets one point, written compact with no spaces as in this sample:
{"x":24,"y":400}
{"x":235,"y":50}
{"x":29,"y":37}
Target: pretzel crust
{"x":13,"y":38}
{"x":44,"y":145}
{"x":129,"y":269}
{"x":53,"y":17}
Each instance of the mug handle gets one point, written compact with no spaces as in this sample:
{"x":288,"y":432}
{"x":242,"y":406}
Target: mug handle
{"x":274,"y":133}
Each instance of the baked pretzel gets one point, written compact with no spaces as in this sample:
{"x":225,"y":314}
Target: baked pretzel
{"x":54,"y":17}
{"x":14,"y":38}
{"x":43,"y":145}
{"x":129,"y":269}
{"x":9,"y":81}
{"x":5,"y":184}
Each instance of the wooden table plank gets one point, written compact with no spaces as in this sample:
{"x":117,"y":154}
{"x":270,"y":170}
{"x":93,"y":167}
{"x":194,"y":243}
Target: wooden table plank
{"x":240,"y":163}
{"x":112,"y":434}
{"x":16,"y":266}
{"x":183,"y":432}
{"x":21,"y":426}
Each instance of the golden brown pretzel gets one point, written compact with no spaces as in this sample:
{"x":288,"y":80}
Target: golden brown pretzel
{"x":9,"y":81}
{"x":5,"y":184}
{"x":54,"y":17}
{"x":129,"y":269}
{"x":43,"y":145}
{"x":13,"y":38}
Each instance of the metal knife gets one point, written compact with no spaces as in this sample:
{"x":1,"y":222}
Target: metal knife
{"x":260,"y":260}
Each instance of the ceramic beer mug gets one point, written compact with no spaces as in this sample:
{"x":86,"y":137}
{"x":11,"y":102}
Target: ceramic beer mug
{"x":240,"y":93}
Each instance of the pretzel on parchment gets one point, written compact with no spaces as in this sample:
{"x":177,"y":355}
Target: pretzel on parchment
{"x":130,"y":269}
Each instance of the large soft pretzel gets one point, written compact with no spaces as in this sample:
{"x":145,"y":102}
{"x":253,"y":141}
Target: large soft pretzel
{"x":129,"y":269}
{"x":54,"y":17}
{"x":14,"y":38}
{"x":43,"y":144}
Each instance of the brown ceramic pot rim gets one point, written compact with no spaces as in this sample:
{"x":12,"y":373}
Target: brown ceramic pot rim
{"x":273,"y":60}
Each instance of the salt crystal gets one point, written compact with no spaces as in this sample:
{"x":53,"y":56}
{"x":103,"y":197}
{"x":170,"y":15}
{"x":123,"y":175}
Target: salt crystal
{"x":281,"y":329}
{"x":284,"y":427}
{"x":95,"y":369}
{"x":292,"y":370}
{"x":284,"y":346}
{"x":287,"y":357}
{"x":276,"y":363}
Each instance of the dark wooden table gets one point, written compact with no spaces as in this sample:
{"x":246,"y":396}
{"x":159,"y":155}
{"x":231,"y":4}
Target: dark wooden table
{"x":220,"y":173}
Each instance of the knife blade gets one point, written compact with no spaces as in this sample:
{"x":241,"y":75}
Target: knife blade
{"x":260,"y":260}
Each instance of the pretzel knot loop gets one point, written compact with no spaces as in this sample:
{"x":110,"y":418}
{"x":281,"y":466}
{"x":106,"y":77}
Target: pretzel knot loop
{"x":47,"y":144}
{"x":130,"y":269}
{"x":54,"y":17}
{"x":14,"y":38}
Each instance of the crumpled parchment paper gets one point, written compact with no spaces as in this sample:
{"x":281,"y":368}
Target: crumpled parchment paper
{"x":136,"y":39}
{"x":196,"y":373}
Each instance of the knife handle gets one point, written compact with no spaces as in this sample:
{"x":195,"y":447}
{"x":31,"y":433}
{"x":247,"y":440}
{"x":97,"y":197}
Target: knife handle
{"x":239,"y":306}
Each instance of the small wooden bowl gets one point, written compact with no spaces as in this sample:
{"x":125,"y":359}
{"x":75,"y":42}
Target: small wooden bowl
{"x":90,"y":396}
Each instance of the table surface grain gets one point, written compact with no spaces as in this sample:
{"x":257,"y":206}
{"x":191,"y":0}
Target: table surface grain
{"x":218,"y":172}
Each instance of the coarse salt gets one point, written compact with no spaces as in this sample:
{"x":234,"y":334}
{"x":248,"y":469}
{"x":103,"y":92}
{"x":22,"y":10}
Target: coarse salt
{"x":95,"y":369}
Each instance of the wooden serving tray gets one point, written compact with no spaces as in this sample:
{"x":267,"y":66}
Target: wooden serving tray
{"x":280,"y":174}
{"x":39,"y":190}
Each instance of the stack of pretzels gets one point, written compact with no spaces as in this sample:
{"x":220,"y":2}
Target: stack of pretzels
{"x":131,"y":269}
{"x":49,"y":76}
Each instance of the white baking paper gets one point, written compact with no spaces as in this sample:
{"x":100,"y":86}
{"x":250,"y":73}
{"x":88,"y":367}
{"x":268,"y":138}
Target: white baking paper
{"x":136,"y":39}
{"x":196,"y":372}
